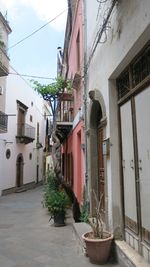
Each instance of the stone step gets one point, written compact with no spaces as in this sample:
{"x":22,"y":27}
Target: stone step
{"x":122,"y":254}
{"x":127,"y":256}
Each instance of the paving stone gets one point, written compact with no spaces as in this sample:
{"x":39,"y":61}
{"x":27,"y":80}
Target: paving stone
{"x":28,"y":239}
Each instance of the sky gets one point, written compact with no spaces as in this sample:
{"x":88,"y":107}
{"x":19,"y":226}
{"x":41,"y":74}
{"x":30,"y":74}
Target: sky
{"x":37,"y":55}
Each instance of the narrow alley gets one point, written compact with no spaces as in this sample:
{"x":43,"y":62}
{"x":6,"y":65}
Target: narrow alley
{"x":28,"y":239}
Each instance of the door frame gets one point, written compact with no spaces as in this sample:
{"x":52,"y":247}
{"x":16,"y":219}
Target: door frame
{"x":140,"y":236}
{"x":97,"y":120}
{"x":136,"y":174}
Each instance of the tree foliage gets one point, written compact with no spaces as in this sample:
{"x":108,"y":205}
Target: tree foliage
{"x":54,"y":88}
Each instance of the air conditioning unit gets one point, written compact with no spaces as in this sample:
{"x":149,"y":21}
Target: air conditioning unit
{"x":1,"y":90}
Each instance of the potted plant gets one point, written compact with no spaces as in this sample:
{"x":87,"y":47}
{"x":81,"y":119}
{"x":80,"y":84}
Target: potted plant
{"x":98,"y":241}
{"x":57,"y":202}
{"x":55,"y":199}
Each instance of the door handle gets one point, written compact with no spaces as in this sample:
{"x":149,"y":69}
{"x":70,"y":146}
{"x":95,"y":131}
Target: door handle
{"x":132,"y":164}
{"x":140,"y":165}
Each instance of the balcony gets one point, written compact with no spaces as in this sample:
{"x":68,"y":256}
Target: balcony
{"x":3,"y":122}
{"x":64,"y":118}
{"x":4,"y":63}
{"x":26,"y":134}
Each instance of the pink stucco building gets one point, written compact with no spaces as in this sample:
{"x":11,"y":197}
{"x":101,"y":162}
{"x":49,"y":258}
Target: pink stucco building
{"x":73,"y":147}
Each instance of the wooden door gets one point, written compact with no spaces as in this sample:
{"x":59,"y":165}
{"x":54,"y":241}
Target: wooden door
{"x":128,"y":165}
{"x":142,"y":105}
{"x":19,"y":171}
{"x":101,"y":182}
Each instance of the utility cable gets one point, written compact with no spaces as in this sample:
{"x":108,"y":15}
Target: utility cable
{"x":28,"y":36}
{"x":99,"y":34}
{"x":32,"y":76}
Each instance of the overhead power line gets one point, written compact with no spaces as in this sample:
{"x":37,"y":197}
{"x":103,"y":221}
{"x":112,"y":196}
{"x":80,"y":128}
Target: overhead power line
{"x":32,"y":76}
{"x":31,"y":34}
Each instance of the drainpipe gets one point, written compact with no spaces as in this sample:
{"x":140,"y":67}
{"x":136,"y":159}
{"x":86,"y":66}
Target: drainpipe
{"x":68,"y":37}
{"x":85,"y":104}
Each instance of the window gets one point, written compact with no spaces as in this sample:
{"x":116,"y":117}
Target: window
{"x":135,"y":73}
{"x":8,"y":153}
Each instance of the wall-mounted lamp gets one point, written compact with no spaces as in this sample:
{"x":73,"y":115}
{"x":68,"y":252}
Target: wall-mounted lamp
{"x":6,"y":142}
{"x":38,"y":146}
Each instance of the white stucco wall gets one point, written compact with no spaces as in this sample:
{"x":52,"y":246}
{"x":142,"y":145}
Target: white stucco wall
{"x":3,"y":95}
{"x":129,"y":31}
{"x":18,"y":89}
{"x":3,"y":38}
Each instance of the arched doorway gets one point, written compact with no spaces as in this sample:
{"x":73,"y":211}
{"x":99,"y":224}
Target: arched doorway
{"x":19,"y":170}
{"x":97,"y":135}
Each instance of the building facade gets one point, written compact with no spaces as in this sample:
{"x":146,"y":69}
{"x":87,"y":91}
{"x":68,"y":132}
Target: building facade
{"x":117,"y":74}
{"x":5,"y":30}
{"x":73,"y":145}
{"x":21,"y":157}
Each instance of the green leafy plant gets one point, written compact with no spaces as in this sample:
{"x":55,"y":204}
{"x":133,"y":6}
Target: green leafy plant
{"x":51,"y":185}
{"x":57,"y":201}
{"x":84,"y":215}
{"x":54,"y":198}
{"x":85,"y":207}
{"x":52,"y":181}
{"x":53,"y":88}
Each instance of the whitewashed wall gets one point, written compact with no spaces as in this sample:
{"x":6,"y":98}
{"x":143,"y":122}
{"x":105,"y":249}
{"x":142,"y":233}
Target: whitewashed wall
{"x":18,"y":89}
{"x":129,"y":31}
{"x":4,"y":38}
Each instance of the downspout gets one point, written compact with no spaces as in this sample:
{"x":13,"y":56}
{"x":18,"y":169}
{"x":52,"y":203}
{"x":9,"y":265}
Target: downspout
{"x":68,"y":37}
{"x":85,"y":104}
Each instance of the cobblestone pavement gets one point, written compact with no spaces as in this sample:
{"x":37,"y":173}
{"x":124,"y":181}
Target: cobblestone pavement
{"x":28,"y":239}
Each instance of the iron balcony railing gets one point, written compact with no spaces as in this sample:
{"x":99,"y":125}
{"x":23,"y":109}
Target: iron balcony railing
{"x":65,"y":108}
{"x":4,"y":63}
{"x":3,"y":122}
{"x":65,"y":116}
{"x":26,"y":130}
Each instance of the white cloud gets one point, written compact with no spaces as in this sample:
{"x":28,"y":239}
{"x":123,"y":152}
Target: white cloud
{"x":45,"y":10}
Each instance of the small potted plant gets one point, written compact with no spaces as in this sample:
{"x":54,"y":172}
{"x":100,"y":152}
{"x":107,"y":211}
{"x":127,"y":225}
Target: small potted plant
{"x":98,"y":241}
{"x":55,"y":199}
{"x":57,"y":203}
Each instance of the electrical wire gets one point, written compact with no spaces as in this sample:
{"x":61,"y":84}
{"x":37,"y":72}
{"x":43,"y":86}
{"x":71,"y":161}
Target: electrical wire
{"x":99,"y":34}
{"x":31,"y":34}
{"x":32,"y":76}
{"x":101,"y":2}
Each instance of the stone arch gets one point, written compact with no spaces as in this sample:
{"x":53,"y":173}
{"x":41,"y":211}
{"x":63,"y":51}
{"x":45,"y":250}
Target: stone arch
{"x":97,"y":95}
{"x":19,"y":170}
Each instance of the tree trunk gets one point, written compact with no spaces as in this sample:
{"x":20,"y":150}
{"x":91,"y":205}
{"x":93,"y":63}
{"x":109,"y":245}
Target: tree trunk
{"x":56,"y":161}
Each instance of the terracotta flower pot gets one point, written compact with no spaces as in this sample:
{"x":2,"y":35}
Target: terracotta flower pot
{"x":98,"y":250}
